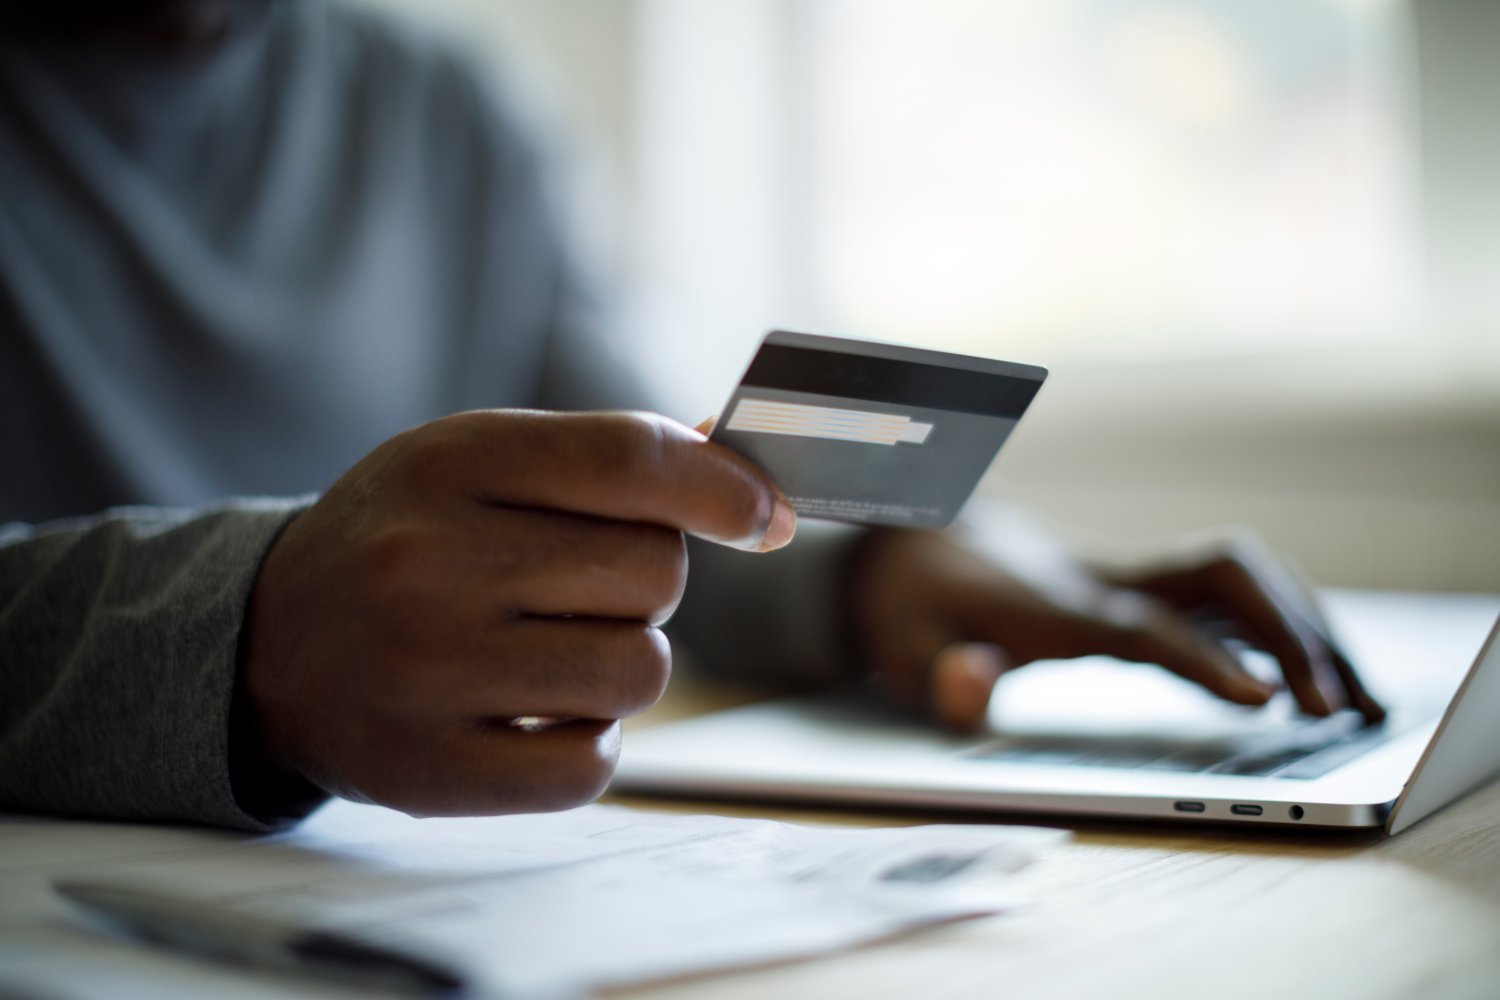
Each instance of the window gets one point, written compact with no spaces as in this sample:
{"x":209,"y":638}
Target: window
{"x":1114,"y":178}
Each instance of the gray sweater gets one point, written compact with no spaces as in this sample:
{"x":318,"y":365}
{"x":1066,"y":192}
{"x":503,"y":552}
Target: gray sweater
{"x":229,"y":275}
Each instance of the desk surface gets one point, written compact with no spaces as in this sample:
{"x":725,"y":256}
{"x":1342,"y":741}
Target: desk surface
{"x":1138,"y":910}
{"x":1122,"y":910}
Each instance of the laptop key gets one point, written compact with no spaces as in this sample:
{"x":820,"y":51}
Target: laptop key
{"x":1261,"y":764}
{"x":1190,"y":760}
{"x":1318,"y":764}
{"x":1269,"y":755}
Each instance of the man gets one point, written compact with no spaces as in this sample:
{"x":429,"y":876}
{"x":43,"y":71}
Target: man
{"x":242,"y":244}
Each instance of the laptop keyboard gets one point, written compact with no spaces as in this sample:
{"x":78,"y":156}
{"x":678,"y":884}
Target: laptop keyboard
{"x":1307,"y":751}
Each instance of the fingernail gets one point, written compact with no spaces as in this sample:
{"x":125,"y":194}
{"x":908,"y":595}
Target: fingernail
{"x":706,"y":425}
{"x":783,"y":526}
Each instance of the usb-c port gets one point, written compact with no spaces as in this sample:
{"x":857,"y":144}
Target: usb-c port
{"x":1188,"y":807}
{"x":1246,"y":810}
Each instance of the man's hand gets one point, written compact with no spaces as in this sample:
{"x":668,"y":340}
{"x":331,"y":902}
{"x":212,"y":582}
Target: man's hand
{"x":484,"y":568}
{"x":938,"y":624}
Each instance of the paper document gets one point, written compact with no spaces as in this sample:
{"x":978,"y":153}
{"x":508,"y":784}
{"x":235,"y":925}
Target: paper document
{"x":538,"y":906}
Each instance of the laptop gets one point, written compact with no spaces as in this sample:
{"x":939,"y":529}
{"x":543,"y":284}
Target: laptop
{"x":1099,"y":737}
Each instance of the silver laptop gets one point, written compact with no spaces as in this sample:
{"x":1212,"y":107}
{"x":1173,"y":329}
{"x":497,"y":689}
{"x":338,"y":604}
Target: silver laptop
{"x":1103,"y":738}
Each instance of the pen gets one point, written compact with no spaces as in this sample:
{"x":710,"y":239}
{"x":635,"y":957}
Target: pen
{"x":221,"y":935}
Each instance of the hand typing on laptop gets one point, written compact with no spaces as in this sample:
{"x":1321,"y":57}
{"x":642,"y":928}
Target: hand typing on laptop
{"x":939,"y":624}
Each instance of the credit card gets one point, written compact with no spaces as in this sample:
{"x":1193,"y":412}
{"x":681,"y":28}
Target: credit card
{"x":874,"y":433}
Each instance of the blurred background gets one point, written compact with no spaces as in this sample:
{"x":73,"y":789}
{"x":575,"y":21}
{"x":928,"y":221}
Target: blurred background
{"x":1258,"y":244}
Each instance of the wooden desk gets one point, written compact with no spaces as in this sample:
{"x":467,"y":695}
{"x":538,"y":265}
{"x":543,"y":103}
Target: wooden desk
{"x":1138,"y":910}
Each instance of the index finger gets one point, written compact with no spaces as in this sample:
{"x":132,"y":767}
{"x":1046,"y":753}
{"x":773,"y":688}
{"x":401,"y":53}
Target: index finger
{"x":1136,"y":627}
{"x":1284,"y":624}
{"x":1365,"y":702}
{"x":1252,"y":590}
{"x":630,"y":467}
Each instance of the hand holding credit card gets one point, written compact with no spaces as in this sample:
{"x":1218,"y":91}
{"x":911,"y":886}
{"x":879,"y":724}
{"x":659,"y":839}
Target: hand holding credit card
{"x":874,"y":433}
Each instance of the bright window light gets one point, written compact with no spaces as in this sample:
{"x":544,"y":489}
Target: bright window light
{"x":1114,"y":178}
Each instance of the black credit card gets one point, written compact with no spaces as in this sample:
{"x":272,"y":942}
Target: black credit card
{"x":874,"y":433}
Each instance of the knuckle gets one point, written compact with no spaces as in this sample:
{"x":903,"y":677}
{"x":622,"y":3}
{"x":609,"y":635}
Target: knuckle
{"x":1223,"y":562}
{"x":1136,"y":641}
{"x":642,"y":662}
{"x":571,"y":775}
{"x":459,"y":449}
{"x":582,"y":782}
{"x":1232,"y":559}
{"x":1226,"y":574}
{"x":572,"y":780}
{"x":662,"y":572}
{"x":633,"y":441}
{"x":430,"y":453}
{"x":392,"y":563}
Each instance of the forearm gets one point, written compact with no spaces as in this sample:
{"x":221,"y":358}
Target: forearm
{"x":119,"y":642}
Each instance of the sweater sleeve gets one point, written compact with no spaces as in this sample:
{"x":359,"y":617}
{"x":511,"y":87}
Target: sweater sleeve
{"x":119,"y":639}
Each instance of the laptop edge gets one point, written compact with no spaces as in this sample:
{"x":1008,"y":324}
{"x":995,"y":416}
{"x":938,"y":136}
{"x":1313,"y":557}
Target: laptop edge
{"x":1461,"y":753}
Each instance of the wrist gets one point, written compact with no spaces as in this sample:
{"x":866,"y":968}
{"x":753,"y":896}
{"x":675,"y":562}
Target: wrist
{"x":264,"y":784}
{"x":264,"y":789}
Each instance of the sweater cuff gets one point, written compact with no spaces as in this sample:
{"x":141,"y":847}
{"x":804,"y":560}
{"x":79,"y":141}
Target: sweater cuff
{"x":268,"y":796}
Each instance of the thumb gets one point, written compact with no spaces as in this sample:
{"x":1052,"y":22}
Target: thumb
{"x":706,"y":425}
{"x":963,"y":678}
